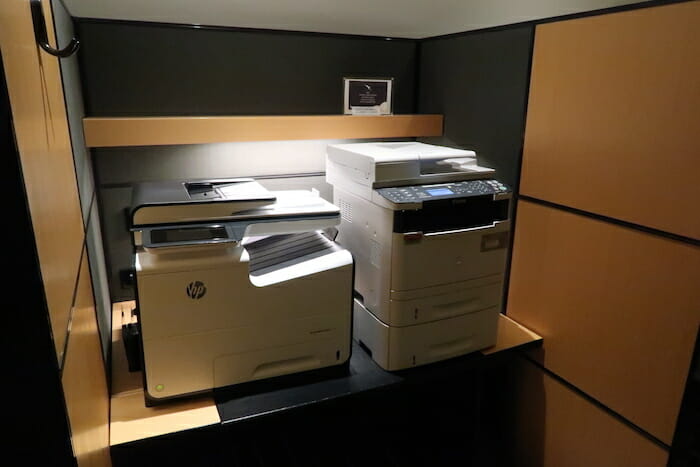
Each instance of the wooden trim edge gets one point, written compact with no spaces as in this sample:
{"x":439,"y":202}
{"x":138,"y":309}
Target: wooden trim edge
{"x":150,"y":131}
{"x":512,"y":335}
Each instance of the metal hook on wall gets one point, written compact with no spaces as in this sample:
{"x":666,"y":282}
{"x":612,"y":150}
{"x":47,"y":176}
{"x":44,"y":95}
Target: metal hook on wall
{"x":42,"y":37}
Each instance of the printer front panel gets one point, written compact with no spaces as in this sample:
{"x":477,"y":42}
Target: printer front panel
{"x":449,"y":214}
{"x":189,"y":294}
{"x":193,"y":363}
{"x":389,"y":263}
{"x":428,"y":260}
{"x":430,"y":242}
{"x":194,"y":320}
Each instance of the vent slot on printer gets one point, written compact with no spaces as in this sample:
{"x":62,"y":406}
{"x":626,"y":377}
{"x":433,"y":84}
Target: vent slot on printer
{"x":452,"y":214}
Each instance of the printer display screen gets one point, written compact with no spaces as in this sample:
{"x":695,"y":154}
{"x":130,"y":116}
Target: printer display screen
{"x":188,"y":234}
{"x":440,"y":191}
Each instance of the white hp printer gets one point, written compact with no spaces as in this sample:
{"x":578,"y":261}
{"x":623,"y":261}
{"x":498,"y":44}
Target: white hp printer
{"x":429,"y":230}
{"x":235,"y":283}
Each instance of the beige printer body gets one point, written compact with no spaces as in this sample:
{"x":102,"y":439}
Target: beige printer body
{"x":429,"y":230}
{"x":236,"y":284}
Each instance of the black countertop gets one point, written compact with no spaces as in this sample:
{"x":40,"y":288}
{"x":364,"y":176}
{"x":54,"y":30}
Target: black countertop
{"x":355,"y":414}
{"x":360,"y":375}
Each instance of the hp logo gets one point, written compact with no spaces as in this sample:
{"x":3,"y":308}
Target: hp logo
{"x":196,"y":290}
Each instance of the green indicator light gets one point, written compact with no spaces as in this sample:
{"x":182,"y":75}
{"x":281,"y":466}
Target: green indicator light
{"x":159,"y":387}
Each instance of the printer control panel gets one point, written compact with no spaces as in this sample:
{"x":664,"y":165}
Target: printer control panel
{"x":418,"y":193}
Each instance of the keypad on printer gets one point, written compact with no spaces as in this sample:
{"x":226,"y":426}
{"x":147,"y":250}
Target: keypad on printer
{"x":413,"y":194}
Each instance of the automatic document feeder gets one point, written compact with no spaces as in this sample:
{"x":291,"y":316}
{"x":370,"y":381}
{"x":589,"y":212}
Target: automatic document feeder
{"x":428,"y":229}
{"x":236,"y":283}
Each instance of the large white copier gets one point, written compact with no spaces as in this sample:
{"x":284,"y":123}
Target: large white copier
{"x":429,"y":230}
{"x":235,"y":283}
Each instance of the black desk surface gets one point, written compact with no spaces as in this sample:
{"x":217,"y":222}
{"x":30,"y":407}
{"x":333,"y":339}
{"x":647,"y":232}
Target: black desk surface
{"x":387,"y":418}
{"x":361,"y":375}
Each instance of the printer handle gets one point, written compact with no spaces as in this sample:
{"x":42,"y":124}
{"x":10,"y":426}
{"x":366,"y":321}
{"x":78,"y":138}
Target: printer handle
{"x":469,"y":229}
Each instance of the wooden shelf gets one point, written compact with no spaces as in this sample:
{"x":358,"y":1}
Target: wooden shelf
{"x":150,"y":131}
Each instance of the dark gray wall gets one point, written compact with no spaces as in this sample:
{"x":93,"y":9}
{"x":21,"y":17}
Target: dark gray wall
{"x":140,"y":69}
{"x":75,"y":111}
{"x":152,"y":69}
{"x":118,"y":169}
{"x":479,"y":82}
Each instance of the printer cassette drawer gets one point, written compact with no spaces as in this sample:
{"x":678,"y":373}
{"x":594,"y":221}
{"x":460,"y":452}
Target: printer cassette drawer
{"x":195,"y":362}
{"x":426,"y":260}
{"x":278,"y":361}
{"x":436,"y":303}
{"x":397,"y":348}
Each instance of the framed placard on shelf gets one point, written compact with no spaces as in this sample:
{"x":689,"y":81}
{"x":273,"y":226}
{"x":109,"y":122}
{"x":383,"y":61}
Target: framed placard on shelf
{"x":368,"y":96}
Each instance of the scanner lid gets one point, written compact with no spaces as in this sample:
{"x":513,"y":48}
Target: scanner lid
{"x":389,"y":152}
{"x":207,"y":201}
{"x":399,"y":163}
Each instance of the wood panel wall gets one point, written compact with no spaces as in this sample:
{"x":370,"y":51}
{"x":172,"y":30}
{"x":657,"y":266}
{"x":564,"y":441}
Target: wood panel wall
{"x":43,"y":142}
{"x":41,"y":132}
{"x":618,"y":309}
{"x":84,"y":379}
{"x":566,"y":430}
{"x":606,"y":260}
{"x":613,"y":117}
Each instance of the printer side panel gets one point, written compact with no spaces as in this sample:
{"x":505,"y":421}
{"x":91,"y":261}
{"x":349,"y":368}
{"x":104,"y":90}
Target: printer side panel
{"x":366,"y":230}
{"x":354,"y":174}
